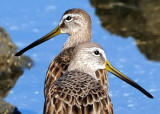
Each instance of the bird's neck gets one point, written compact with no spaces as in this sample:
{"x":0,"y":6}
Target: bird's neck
{"x":85,"y":70}
{"x":77,"y":38}
{"x":77,"y":64}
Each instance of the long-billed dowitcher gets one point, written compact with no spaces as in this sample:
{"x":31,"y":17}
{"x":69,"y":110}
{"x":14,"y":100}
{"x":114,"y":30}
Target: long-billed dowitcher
{"x":76,"y":23}
{"x":78,"y":91}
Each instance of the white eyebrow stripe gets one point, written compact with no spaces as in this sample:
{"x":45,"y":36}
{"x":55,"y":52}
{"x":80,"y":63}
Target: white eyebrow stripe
{"x":72,"y":15}
{"x":98,"y":49}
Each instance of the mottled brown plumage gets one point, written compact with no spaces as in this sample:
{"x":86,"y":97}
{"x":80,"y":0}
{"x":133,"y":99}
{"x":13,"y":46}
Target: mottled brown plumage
{"x":58,"y":67}
{"x":77,"y":93}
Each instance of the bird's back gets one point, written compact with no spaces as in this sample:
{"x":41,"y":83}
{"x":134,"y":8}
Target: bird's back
{"x":77,"y":93}
{"x":58,"y":67}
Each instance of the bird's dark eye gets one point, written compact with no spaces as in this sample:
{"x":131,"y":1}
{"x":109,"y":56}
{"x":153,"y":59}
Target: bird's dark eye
{"x":68,"y":18}
{"x":96,"y":52}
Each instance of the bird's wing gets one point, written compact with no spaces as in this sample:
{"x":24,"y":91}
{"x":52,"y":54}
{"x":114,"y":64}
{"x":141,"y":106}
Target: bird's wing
{"x":77,"y":93}
{"x":102,"y":78}
{"x":58,"y":67}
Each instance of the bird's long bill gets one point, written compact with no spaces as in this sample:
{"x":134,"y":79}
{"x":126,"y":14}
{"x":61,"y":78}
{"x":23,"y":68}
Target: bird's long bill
{"x":53,"y":33}
{"x":114,"y":71}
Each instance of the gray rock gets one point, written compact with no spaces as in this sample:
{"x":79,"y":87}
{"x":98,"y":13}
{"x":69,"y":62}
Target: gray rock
{"x":6,"y":108}
{"x":11,"y":68}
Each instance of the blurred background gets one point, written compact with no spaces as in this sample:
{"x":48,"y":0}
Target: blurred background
{"x":128,"y":30}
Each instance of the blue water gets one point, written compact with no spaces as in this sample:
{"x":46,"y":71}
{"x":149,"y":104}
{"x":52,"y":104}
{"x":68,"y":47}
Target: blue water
{"x":26,"y":21}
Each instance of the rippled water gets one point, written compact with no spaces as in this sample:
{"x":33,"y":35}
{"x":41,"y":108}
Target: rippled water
{"x":128,"y":36}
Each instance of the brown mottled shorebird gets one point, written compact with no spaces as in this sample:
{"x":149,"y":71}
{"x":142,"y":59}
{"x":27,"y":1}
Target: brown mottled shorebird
{"x":77,"y":24}
{"x":78,"y":91}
